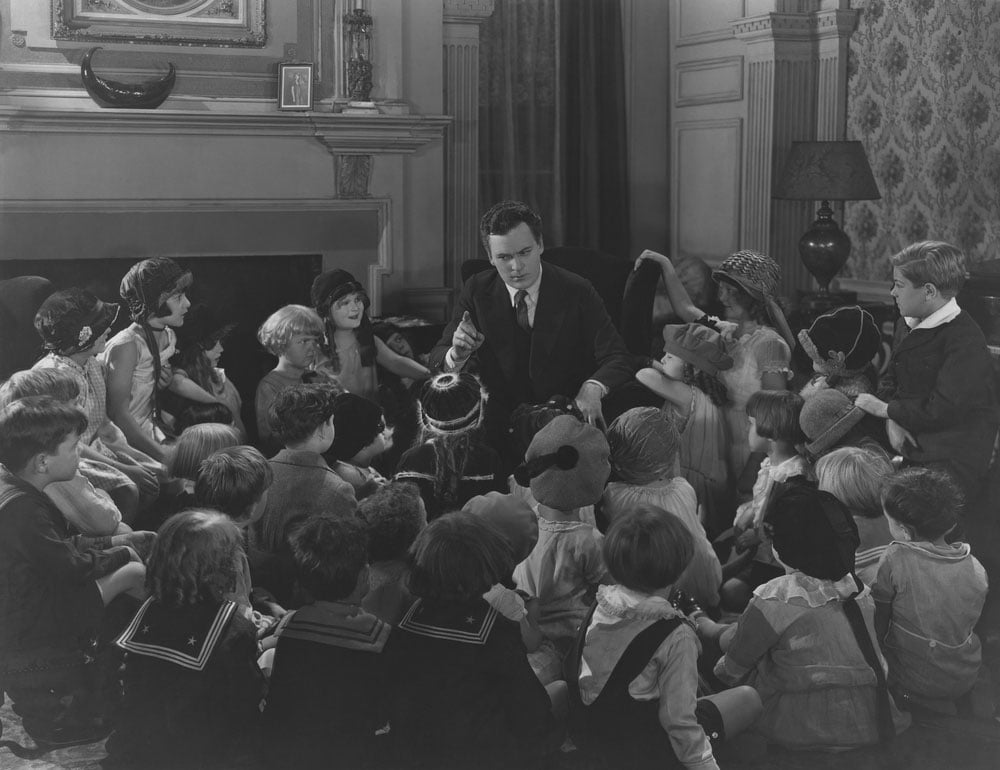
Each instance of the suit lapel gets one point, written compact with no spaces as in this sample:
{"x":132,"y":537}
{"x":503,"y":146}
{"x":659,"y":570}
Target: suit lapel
{"x":550,"y":316}
{"x":498,"y":317}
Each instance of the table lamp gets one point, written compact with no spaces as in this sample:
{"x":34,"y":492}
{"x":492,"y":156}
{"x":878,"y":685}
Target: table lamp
{"x":826,"y":171}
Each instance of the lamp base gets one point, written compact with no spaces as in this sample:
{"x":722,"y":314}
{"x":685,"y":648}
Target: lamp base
{"x":818,"y":302}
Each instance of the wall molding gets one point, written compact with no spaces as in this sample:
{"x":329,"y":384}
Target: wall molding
{"x":359,"y":134}
{"x":384,"y":264}
{"x":685,"y":71}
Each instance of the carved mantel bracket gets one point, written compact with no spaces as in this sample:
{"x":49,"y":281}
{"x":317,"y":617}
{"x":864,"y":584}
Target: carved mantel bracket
{"x":469,"y":11}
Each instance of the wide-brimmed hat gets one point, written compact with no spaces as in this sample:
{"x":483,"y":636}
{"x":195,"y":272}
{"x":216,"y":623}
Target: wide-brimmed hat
{"x":71,"y":321}
{"x":757,"y":273}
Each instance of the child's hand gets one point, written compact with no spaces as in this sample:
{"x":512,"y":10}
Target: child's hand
{"x":653,"y":256}
{"x":874,"y":406}
{"x":139,"y":542}
{"x":142,"y":477}
{"x":899,"y":436}
{"x":747,"y":540}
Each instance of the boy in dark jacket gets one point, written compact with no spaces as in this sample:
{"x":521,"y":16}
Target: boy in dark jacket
{"x":54,"y":589}
{"x":328,"y":686}
{"x":939,"y":395}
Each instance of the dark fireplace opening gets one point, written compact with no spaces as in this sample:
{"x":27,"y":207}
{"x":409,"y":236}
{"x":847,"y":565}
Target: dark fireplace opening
{"x":244,"y":290}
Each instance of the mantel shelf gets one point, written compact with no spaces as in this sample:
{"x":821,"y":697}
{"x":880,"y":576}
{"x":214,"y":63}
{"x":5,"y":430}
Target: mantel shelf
{"x":343,"y":134}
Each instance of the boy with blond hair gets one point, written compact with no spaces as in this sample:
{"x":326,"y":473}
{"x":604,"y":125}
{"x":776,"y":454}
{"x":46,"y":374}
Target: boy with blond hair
{"x":939,"y":394}
{"x":293,"y":334}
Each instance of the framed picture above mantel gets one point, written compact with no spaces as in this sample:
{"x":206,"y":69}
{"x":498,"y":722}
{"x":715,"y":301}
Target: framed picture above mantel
{"x":219,"y":23}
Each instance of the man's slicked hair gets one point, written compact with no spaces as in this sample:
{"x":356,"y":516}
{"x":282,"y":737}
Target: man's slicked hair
{"x":504,"y":216}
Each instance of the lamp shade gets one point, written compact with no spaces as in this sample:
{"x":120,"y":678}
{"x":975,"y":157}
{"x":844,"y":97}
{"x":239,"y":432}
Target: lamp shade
{"x":827,"y":171}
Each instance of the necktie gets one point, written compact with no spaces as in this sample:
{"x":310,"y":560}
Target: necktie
{"x":521,"y":310}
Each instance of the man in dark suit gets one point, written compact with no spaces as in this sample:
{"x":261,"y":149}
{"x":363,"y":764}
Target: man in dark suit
{"x":533,"y":332}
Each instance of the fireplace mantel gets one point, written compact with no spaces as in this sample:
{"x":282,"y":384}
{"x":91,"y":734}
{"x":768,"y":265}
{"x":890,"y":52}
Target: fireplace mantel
{"x":341,"y":134}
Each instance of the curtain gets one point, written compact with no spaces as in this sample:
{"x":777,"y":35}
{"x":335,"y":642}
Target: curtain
{"x":552,"y":118}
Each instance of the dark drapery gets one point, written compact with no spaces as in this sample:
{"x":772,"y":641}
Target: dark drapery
{"x":552,"y":118}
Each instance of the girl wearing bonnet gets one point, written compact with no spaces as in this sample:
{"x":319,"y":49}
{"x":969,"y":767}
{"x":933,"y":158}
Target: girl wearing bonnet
{"x":351,"y":349}
{"x":755,"y":332}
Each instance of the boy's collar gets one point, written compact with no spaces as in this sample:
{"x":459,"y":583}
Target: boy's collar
{"x":944,"y":314}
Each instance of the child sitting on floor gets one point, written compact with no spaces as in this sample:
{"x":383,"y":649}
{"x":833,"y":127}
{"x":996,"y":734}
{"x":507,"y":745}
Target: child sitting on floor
{"x":293,"y":334}
{"x":193,"y":446}
{"x":928,"y":592}
{"x":199,"y":347}
{"x":235,"y":481}
{"x":462,"y":691}
{"x":329,"y":689}
{"x":774,"y":429}
{"x":192,"y":686}
{"x":394,"y":515}
{"x":361,"y":437}
{"x":514,"y":520}
{"x":806,"y":642}
{"x":350,"y":350}
{"x":938,"y":396}
{"x":644,"y":445}
{"x":88,"y":510}
{"x":55,"y":590}
{"x":137,"y":358}
{"x":687,"y":378}
{"x":453,"y":463}
{"x":74,"y":326}
{"x":857,"y":477}
{"x":841,"y":346}
{"x":301,"y":418}
{"x":566,"y":467}
{"x":633,"y":678}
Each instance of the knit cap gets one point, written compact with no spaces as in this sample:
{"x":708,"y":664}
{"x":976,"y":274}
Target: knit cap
{"x":70,"y":321}
{"x":510,"y":517}
{"x":842,"y":342}
{"x":356,"y":422}
{"x":826,"y":417}
{"x":757,"y":273}
{"x":148,"y":284}
{"x":451,"y":403}
{"x":812,"y":531}
{"x":697,"y":345}
{"x":567,"y":464}
{"x":644,"y":443}
{"x":330,"y":286}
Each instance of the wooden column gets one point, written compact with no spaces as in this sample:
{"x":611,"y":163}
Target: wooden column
{"x":462,"y":19}
{"x":796,"y":90}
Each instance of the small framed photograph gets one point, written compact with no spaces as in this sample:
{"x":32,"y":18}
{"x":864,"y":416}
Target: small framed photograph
{"x":295,"y":86}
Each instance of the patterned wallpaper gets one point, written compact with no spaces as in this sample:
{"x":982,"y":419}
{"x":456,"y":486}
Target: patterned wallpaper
{"x":924,"y":98}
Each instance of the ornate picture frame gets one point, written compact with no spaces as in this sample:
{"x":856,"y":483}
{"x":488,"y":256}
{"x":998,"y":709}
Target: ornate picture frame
{"x":295,"y":86}
{"x":219,"y":23}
